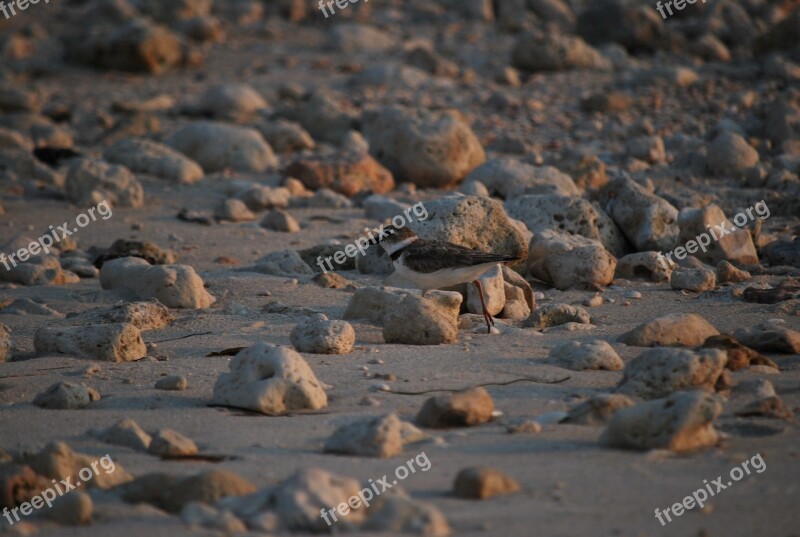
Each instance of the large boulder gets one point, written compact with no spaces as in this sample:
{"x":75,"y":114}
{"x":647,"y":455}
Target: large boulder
{"x":659,"y":372}
{"x":217,"y":146}
{"x":429,"y":149}
{"x":270,"y":379}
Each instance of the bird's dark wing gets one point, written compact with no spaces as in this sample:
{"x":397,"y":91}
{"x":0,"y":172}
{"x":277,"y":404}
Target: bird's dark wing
{"x":429,"y":256}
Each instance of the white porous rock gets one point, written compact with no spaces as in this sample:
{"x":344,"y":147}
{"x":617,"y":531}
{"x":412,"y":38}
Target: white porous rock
{"x":270,"y":379}
{"x":117,"y":342}
{"x":414,"y":320}
{"x":319,"y":335}
{"x":493,"y":292}
{"x":175,"y":286}
{"x":376,"y":437}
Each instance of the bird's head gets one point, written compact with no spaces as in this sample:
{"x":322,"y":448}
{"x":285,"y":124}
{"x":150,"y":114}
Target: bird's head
{"x":395,"y":238}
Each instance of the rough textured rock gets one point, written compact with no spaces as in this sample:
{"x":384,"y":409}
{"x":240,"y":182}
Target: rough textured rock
{"x":376,"y":437}
{"x":733,"y":244}
{"x":461,"y":409}
{"x":509,"y":178}
{"x":346,"y":172}
{"x":116,"y":342}
{"x":693,"y":279}
{"x":382,"y":208}
{"x":659,"y":372}
{"x":282,"y":263}
{"x":138,"y":45}
{"x":473,"y":222}
{"x":739,"y":356}
{"x":322,"y":115}
{"x":5,"y":343}
{"x":152,"y":158}
{"x":372,"y":303}
{"x":598,"y":409}
{"x":169,"y":443}
{"x":567,"y":214}
{"x":233,"y":210}
{"x":147,"y":315}
{"x":233,"y":102}
{"x":644,"y":265}
{"x":648,"y":221}
{"x":285,"y":136}
{"x":217,"y":146}
{"x":90,"y":182}
{"x":413,"y":320}
{"x":398,"y":514}
{"x":175,"y":383}
{"x":671,"y":330}
{"x":579,"y":356}
{"x":65,"y":396}
{"x":322,"y":336}
{"x":727,"y":273}
{"x":539,"y":52}
{"x":770,"y":337}
{"x":71,"y":509}
{"x":270,"y":379}
{"x":278,"y":220}
{"x":207,"y":487}
{"x":57,"y":461}
{"x":683,"y":421}
{"x":633,"y":25}
{"x":482,"y":483}
{"x":175,"y":286}
{"x":570,"y":260}
{"x":547,"y":315}
{"x":126,"y":433}
{"x":430,"y":149}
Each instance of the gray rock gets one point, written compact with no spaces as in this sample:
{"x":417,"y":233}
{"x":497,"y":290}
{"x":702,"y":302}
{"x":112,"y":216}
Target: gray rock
{"x":590,"y":355}
{"x":175,"y":286}
{"x":671,"y":330}
{"x":283,"y":263}
{"x":770,"y":337}
{"x":285,"y":136}
{"x":644,"y":265}
{"x":152,"y":158}
{"x":683,"y":421}
{"x":659,"y":372}
{"x":570,"y":260}
{"x":376,"y":437}
{"x":126,"y":433}
{"x":278,"y":220}
{"x":66,"y":396}
{"x":168,"y":443}
{"x":172,"y":383}
{"x":598,"y":409}
{"x":509,"y":178}
{"x":233,"y":102}
{"x":430,"y":149}
{"x":567,"y":214}
{"x":217,"y":146}
{"x":413,"y":320}
{"x":547,"y":315}
{"x":730,"y":155}
{"x":233,"y":210}
{"x":90,"y":182}
{"x":400,"y":514}
{"x":539,"y":52}
{"x":693,"y":279}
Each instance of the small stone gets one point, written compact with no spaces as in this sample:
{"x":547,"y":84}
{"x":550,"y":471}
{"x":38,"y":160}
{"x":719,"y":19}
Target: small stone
{"x":462,"y":409}
{"x":331,"y":280}
{"x":525,"y":426}
{"x":590,"y":355}
{"x":172,"y":383}
{"x":116,"y":342}
{"x":278,"y":220}
{"x":125,"y":433}
{"x":482,"y":483}
{"x":377,"y":437}
{"x":768,"y":407}
{"x":599,"y":409}
{"x":398,"y":514}
{"x":168,"y":443}
{"x":595,"y":302}
{"x":727,"y":273}
{"x":547,"y":315}
{"x":770,"y":337}
{"x":233,"y":210}
{"x":693,"y":279}
{"x":64,"y":396}
{"x":322,"y":336}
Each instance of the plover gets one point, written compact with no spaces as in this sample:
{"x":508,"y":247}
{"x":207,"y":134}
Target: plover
{"x":437,"y":264}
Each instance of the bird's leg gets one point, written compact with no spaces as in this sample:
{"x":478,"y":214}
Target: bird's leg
{"x":486,"y":315}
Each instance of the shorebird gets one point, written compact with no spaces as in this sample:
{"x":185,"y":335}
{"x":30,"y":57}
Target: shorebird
{"x":437,"y":264}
